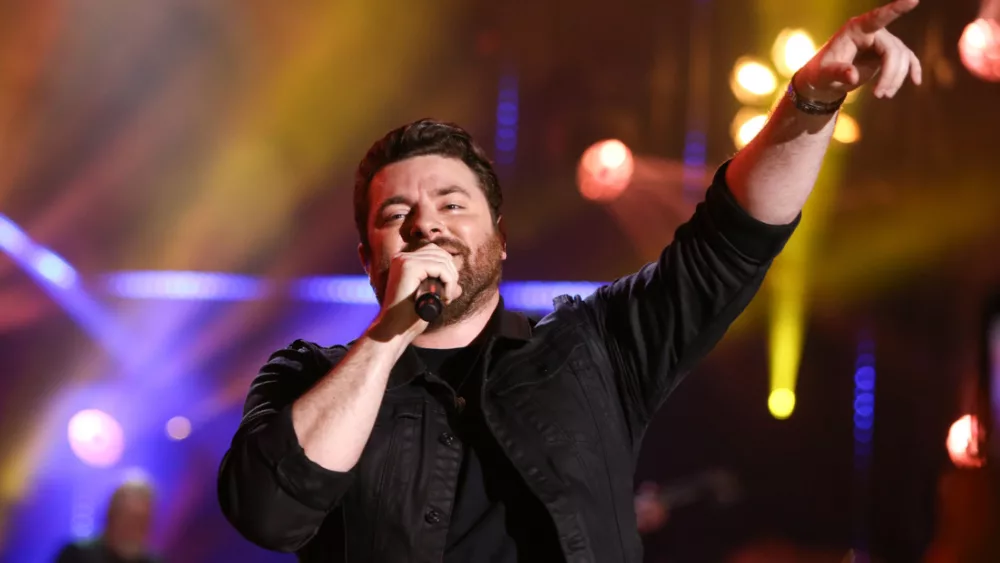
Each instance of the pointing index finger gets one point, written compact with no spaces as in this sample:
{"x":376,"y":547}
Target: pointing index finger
{"x":881,"y":17}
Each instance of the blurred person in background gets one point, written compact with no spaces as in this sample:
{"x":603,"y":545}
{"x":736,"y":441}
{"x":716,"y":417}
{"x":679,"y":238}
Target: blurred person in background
{"x":480,"y":436}
{"x":651,"y":511}
{"x":654,"y":503}
{"x":126,"y":530}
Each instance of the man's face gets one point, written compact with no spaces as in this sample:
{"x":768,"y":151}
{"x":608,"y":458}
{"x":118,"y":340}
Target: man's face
{"x":128,"y":525}
{"x":434,"y":199}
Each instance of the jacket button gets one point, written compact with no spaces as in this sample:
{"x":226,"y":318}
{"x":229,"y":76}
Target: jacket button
{"x":432,"y":516}
{"x":447,"y":438}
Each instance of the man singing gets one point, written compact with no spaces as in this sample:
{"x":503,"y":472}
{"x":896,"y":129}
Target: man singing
{"x":482,"y":436}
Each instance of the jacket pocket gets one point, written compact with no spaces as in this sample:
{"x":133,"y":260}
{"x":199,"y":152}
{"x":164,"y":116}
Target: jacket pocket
{"x":372,"y":516}
{"x":400,"y":431}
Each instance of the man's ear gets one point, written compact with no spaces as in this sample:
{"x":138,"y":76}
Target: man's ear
{"x":365,"y":255}
{"x":502,"y":229}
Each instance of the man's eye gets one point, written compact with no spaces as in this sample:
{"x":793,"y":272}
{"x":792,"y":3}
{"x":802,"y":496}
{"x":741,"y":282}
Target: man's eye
{"x":395,"y":217}
{"x":452,"y":206}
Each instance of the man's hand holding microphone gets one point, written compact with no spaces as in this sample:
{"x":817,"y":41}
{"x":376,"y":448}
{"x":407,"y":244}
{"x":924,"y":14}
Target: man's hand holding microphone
{"x":333,"y":420}
{"x":419,"y":284}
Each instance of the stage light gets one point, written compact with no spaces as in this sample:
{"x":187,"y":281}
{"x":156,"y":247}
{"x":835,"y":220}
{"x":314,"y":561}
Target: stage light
{"x":186,"y":285}
{"x":505,"y":140}
{"x":846,"y":130}
{"x":178,"y":428}
{"x":96,"y":438}
{"x":979,"y":48}
{"x":792,"y":50}
{"x":963,"y":442}
{"x":352,"y":290}
{"x":605,"y":170}
{"x":752,"y":80}
{"x":864,"y":404}
{"x":746,"y":125}
{"x":864,"y":378}
{"x":12,"y":238}
{"x":538,"y":296}
{"x":781,"y":403}
{"x":40,"y":260}
{"x":53,"y":268}
{"x":345,"y":290}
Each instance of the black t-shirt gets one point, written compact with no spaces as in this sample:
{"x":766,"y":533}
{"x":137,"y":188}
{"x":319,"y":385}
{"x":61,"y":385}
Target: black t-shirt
{"x":495,"y":518}
{"x":94,"y":551}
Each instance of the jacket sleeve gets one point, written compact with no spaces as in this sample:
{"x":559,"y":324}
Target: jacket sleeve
{"x":660,"y":321}
{"x":268,"y":489}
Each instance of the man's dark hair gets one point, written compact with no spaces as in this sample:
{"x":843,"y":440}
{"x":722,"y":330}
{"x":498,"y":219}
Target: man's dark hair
{"x":419,"y":138}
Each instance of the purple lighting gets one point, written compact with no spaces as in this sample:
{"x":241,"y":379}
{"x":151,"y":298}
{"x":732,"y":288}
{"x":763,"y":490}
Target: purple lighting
{"x":205,"y":286}
{"x":346,"y":290}
{"x":62,"y":283}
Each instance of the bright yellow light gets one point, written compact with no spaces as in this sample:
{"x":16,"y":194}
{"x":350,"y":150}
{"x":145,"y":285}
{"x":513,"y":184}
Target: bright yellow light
{"x":781,"y":403}
{"x":746,"y":125}
{"x":792,"y":50}
{"x":847,"y":130}
{"x":786,"y":331}
{"x":752,"y":80}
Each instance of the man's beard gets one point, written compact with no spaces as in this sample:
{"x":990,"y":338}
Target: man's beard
{"x":478,"y":276}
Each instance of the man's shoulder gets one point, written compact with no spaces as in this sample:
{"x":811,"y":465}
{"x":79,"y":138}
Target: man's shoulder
{"x":570,"y":318}
{"x":305,"y":352}
{"x":335,"y":351}
{"x":78,"y":551}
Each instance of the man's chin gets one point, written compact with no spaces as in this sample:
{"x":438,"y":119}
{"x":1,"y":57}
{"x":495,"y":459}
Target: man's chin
{"x":469,"y":304}
{"x":450,"y":315}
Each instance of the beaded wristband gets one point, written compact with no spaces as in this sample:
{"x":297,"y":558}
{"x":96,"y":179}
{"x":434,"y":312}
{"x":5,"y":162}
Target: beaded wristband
{"x":812,"y":107}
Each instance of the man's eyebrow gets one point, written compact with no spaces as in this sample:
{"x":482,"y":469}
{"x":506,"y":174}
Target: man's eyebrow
{"x":394,"y":200}
{"x":453,"y":189}
{"x":439,"y":192}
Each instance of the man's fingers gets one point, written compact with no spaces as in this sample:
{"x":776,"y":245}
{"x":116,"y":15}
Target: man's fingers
{"x":431,"y":249}
{"x":845,"y":76}
{"x":893,"y":62}
{"x":850,"y":76}
{"x":881,"y":17}
{"x":436,"y":263}
{"x":902,"y":69}
{"x":448,"y":276}
{"x":916,"y":70}
{"x":421,"y":265}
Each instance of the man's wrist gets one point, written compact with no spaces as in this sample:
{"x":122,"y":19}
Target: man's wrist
{"x":811,"y":100}
{"x":389,"y":331}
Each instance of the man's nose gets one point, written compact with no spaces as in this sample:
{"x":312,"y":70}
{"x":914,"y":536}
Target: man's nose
{"x":425,"y":225}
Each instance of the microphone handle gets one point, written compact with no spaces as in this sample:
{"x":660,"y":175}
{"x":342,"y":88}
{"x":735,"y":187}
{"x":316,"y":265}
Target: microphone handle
{"x":428,"y":303}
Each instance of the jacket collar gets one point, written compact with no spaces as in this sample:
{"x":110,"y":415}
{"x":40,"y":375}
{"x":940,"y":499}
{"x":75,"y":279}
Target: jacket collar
{"x":507,"y":325}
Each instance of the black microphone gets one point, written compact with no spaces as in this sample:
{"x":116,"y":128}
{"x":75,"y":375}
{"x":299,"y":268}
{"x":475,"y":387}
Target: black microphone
{"x":428,"y":305}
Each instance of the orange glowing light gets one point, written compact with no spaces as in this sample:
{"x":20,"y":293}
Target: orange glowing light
{"x":605,"y":170}
{"x":963,"y":442}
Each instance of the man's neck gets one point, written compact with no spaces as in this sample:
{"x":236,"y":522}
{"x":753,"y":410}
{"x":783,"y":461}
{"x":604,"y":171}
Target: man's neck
{"x":463,"y":332}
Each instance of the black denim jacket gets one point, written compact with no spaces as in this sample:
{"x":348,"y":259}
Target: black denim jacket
{"x":568,"y":402}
